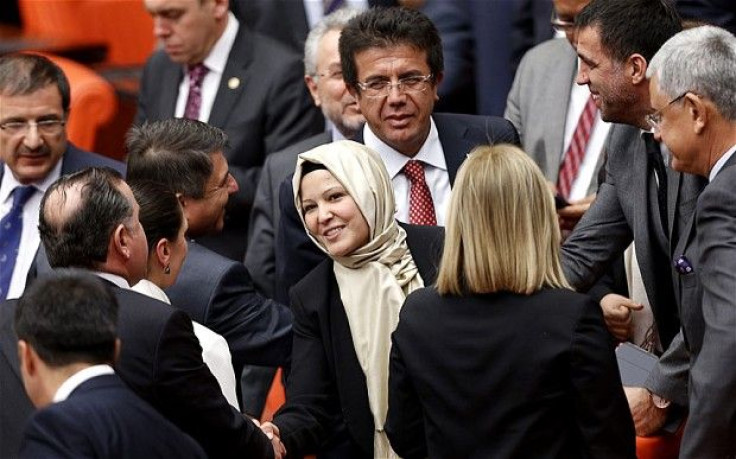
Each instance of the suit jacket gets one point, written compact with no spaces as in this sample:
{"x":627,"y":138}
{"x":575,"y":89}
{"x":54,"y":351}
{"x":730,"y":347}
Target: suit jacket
{"x":161,"y":361}
{"x":463,"y":382}
{"x":269,"y":109}
{"x":283,"y":20}
{"x":260,"y":258}
{"x":218,"y":293}
{"x":707,"y":307}
{"x":538,"y":101}
{"x":72,"y":161}
{"x":626,"y":209}
{"x":103,"y":418}
{"x":296,"y":254}
{"x":326,"y":390}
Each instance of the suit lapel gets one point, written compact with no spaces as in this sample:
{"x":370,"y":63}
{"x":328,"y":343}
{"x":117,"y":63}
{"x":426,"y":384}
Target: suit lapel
{"x":234,"y":78}
{"x":8,"y":343}
{"x":168,"y":89}
{"x":558,"y":105}
{"x":454,"y":144}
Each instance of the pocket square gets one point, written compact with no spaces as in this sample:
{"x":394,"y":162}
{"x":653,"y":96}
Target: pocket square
{"x":683,"y":265}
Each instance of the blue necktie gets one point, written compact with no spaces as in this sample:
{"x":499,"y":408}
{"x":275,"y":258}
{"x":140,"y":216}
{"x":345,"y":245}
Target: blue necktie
{"x":11,"y":227}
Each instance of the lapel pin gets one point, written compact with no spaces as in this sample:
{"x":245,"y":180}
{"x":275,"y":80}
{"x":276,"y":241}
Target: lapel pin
{"x":233,"y":83}
{"x":683,"y":265}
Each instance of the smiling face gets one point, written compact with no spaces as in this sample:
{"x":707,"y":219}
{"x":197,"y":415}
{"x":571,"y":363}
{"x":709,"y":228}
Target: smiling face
{"x":188,"y":29}
{"x":402,"y":118}
{"x":331,"y":214}
{"x":606,"y":78}
{"x":31,"y":155}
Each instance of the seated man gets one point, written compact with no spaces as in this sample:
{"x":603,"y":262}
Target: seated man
{"x":67,"y":332}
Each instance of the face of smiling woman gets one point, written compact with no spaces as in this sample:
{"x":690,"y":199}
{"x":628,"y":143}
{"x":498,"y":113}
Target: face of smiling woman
{"x":331,"y":214}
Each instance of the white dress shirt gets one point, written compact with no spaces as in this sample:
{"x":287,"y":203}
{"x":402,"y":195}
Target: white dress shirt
{"x":76,"y":380}
{"x":215,"y":351}
{"x":30,"y":238}
{"x":435,"y":172}
{"x":215,"y":63}
{"x":720,"y":163}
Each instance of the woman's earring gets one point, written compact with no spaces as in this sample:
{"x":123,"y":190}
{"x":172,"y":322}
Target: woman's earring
{"x":167,"y":269}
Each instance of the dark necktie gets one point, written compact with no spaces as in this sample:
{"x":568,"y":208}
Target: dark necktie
{"x":194,"y":99}
{"x":11,"y":228}
{"x":330,"y":6}
{"x":421,"y":207}
{"x":576,"y":151}
{"x":656,"y":163}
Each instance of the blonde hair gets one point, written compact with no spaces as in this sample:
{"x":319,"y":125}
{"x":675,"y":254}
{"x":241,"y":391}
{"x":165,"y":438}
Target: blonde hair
{"x":502,"y":231}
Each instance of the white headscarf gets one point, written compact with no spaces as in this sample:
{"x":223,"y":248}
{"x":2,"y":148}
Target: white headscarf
{"x":375,"y":278}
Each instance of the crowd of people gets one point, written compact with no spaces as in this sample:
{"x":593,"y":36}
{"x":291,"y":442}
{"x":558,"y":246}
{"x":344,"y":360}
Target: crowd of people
{"x":432,"y":284}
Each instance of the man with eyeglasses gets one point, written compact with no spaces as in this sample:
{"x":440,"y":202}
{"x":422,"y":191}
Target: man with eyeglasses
{"x":392,"y":63}
{"x":34,"y":152}
{"x":34,"y":106}
{"x":692,"y":89}
{"x":641,"y":199}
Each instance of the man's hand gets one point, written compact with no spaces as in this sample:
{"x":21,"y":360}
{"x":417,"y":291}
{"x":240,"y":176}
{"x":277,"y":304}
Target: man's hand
{"x":571,"y":215}
{"x":617,"y":314}
{"x":272,"y":432}
{"x":648,"y":419}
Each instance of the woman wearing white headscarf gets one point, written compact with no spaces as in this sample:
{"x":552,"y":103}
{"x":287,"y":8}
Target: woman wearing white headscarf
{"x":346,"y":309}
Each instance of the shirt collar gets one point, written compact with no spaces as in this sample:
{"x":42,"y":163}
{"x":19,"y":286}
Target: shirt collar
{"x":76,"y":380}
{"x":9,"y":183}
{"x":720,"y":163}
{"x":114,"y":278}
{"x":217,"y":58}
{"x":430,"y":153}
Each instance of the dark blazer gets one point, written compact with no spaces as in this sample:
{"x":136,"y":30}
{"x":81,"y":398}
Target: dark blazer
{"x":74,"y":160}
{"x":283,"y":20}
{"x":326,"y":390}
{"x":103,"y":418}
{"x":626,"y":209}
{"x":260,"y":258}
{"x":161,"y":361}
{"x":707,"y":306}
{"x":218,"y":293}
{"x":506,"y":375}
{"x":269,"y":109}
{"x":296,"y":254}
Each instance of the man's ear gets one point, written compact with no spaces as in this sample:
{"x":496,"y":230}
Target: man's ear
{"x":118,"y":346}
{"x":437,"y":80}
{"x":697,"y":110}
{"x":28,"y":366}
{"x":637,"y":69}
{"x":311,"y":83}
{"x":121,"y":241}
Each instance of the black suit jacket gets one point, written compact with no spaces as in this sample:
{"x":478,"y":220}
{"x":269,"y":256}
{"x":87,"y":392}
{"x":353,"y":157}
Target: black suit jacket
{"x":218,"y":293}
{"x":103,"y":418}
{"x":161,"y":361}
{"x":268,"y":110}
{"x":296,"y":254}
{"x":326,"y":390}
{"x":505,"y":375}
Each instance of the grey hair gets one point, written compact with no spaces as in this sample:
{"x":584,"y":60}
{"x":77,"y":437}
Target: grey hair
{"x":336,"y":20}
{"x":701,"y":60}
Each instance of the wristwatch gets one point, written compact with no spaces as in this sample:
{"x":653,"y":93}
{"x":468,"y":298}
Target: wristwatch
{"x":659,"y":402}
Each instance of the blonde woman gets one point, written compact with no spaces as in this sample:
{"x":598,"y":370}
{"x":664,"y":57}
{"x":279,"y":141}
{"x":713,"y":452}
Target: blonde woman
{"x":502,"y":359}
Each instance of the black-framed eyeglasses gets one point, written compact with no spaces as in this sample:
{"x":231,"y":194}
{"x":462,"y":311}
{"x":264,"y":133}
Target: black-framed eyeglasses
{"x":655,"y":119}
{"x":382,"y":88}
{"x":47,"y":127}
{"x":560,"y":25}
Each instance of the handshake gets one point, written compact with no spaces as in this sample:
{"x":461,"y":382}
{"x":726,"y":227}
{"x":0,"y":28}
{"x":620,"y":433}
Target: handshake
{"x":272,"y":432}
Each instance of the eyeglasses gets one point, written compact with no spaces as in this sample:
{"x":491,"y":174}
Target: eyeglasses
{"x":382,"y":88}
{"x":655,"y":119}
{"x":560,"y":25}
{"x":44,"y":127}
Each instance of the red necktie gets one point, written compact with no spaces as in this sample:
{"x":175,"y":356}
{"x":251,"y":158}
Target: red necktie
{"x":576,"y":151}
{"x":421,"y":207}
{"x":194,"y":99}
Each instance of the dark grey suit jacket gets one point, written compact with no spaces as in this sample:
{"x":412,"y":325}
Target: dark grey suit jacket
{"x":218,"y":293}
{"x":707,"y":303}
{"x":269,"y":110}
{"x":260,"y":258}
{"x":103,"y":418}
{"x":626,"y":209}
